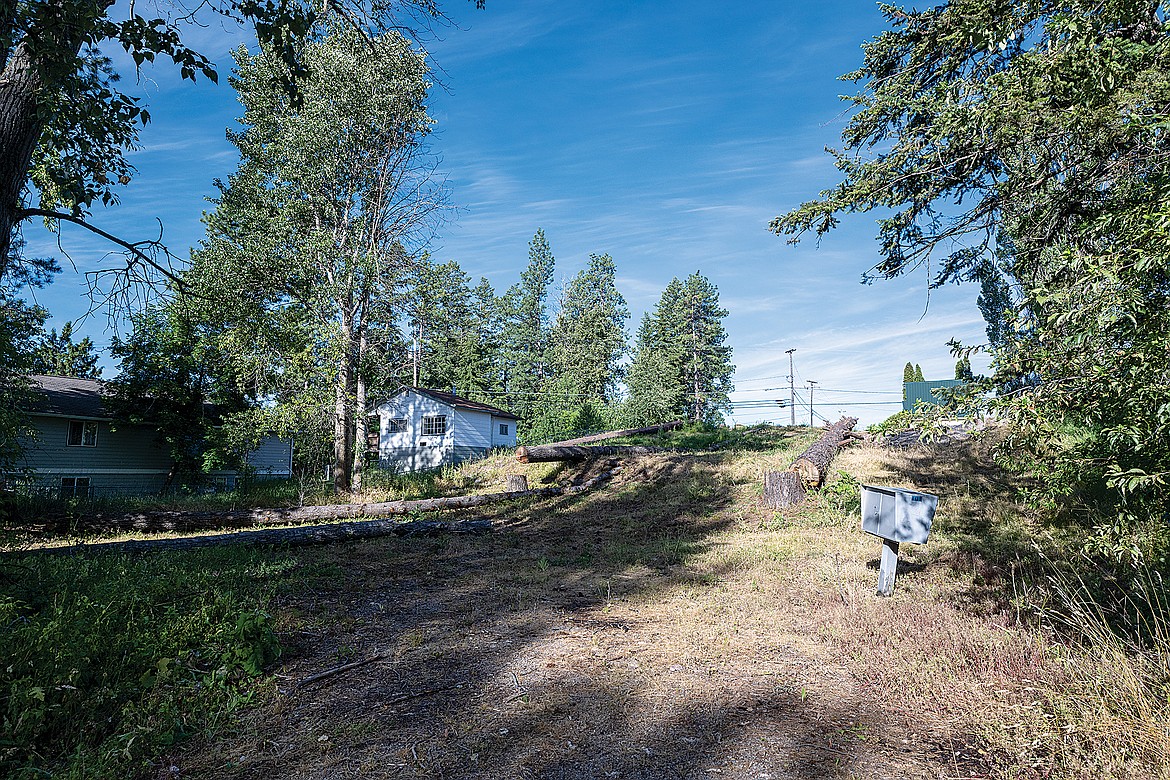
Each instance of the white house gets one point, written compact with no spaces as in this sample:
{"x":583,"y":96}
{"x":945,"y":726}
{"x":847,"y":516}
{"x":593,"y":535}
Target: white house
{"x":423,"y":429}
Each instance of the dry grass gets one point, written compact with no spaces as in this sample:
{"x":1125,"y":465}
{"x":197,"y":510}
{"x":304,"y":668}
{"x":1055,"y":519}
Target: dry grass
{"x":669,"y":625}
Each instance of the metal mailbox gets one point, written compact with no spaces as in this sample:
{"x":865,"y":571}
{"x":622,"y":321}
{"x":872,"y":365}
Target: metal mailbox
{"x":897,"y":514}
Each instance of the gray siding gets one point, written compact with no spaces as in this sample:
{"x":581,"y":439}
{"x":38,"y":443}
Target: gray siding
{"x":272,"y":458}
{"x":125,"y":461}
{"x":129,"y":447}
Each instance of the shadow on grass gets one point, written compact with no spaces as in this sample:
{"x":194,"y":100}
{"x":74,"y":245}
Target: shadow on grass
{"x":505,"y":656}
{"x":996,"y":539}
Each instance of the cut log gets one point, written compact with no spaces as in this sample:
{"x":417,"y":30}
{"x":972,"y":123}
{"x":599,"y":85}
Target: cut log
{"x":516,"y":483}
{"x":155,"y":521}
{"x":813,"y":463}
{"x":315,"y":534}
{"x":660,"y":428}
{"x":783,"y":488}
{"x":290,"y":537}
{"x":546,"y":453}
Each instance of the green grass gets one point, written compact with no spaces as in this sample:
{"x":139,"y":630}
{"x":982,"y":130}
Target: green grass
{"x":111,"y":660}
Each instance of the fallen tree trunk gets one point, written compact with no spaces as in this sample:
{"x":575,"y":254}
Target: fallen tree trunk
{"x":252,"y":518}
{"x":813,"y":463}
{"x":545,"y":453}
{"x":785,"y":488}
{"x":660,"y":428}
{"x":318,"y":534}
{"x":290,"y":537}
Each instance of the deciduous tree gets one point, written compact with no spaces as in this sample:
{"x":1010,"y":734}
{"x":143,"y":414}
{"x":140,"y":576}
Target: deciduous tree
{"x":309,"y":232}
{"x":66,"y":125}
{"x":1039,"y":127}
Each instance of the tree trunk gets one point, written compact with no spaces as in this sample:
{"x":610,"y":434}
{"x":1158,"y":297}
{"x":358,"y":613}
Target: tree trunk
{"x":782,"y":488}
{"x":58,"y":34}
{"x":292,"y":537}
{"x":516,"y":483}
{"x":19,"y":131}
{"x":546,"y":453}
{"x":361,"y":422}
{"x":188,"y":521}
{"x":342,"y":422}
{"x":660,"y":428}
{"x":813,"y":463}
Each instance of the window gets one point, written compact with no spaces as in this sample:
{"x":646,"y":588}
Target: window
{"x":396,"y":425}
{"x":82,"y":433}
{"x":434,"y":426}
{"x":503,"y":429}
{"x":74,"y":487}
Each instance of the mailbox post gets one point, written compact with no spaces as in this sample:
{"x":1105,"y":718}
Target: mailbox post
{"x":895,"y":515}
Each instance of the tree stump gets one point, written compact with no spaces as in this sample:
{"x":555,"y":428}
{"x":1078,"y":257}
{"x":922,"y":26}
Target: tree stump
{"x":783,"y":488}
{"x":813,"y":463}
{"x":516,"y":482}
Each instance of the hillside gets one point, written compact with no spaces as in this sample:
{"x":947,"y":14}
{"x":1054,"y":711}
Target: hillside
{"x":668,"y":625}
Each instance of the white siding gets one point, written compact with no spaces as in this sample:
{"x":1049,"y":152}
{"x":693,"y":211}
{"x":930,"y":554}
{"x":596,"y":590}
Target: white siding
{"x":503,"y":440}
{"x":473,"y":429}
{"x":469,"y":433}
{"x":406,"y":450}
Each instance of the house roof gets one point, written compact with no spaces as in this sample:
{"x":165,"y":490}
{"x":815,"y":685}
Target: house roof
{"x":68,"y":397}
{"x":461,"y":403}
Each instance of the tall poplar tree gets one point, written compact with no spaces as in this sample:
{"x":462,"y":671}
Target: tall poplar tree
{"x":307,"y":235}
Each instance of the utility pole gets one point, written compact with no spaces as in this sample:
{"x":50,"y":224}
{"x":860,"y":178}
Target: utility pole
{"x":811,"y":386}
{"x":791,"y":387}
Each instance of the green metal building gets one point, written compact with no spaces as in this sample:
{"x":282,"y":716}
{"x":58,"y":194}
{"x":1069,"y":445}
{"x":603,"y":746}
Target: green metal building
{"x":913,"y":392}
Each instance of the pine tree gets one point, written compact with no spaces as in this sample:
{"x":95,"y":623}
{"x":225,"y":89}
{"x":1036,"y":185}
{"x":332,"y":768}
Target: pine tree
{"x":486,"y":371}
{"x":586,"y":345}
{"x":60,"y":355}
{"x":589,"y":335}
{"x":682,"y":366}
{"x":655,"y":392}
{"x":525,"y":342}
{"x":918,"y":377}
{"x":963,"y":370}
{"x":707,"y":367}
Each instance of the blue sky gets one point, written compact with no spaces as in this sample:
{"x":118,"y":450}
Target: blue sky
{"x":667,"y":135}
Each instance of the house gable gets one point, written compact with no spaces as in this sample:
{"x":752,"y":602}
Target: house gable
{"x":470,"y":429}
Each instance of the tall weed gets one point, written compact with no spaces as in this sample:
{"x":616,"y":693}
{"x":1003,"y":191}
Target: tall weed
{"x":1112,"y":710}
{"x":110,"y":660}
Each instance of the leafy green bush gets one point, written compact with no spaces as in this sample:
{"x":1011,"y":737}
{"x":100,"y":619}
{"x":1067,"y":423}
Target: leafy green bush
{"x":898,"y":421}
{"x":108,"y":660}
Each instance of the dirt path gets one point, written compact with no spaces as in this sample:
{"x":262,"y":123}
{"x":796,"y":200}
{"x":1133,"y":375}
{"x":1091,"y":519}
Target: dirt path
{"x":649,"y":630}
